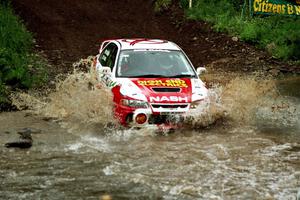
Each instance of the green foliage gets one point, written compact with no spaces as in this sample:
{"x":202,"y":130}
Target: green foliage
{"x":18,"y":67}
{"x":161,"y":5}
{"x":184,"y":3}
{"x":278,"y":35}
{"x":13,"y":34}
{"x":3,"y":94}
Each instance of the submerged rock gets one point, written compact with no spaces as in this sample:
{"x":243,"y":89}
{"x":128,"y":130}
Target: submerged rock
{"x":25,"y":140}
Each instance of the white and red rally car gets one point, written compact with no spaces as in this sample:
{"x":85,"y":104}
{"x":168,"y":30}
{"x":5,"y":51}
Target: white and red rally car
{"x":153,"y":82}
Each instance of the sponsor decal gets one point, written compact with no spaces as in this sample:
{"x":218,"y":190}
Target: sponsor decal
{"x":166,"y":83}
{"x":144,"y":41}
{"x":169,"y":98}
{"x":108,"y":81}
{"x":279,"y":7}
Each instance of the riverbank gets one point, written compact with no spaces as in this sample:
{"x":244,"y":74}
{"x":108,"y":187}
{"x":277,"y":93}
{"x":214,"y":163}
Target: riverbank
{"x":68,"y":31}
{"x":20,"y":66}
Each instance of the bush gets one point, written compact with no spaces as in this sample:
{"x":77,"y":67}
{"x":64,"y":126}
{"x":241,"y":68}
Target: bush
{"x":161,"y":5}
{"x":277,"y":34}
{"x":19,"y":68}
{"x":13,"y":34}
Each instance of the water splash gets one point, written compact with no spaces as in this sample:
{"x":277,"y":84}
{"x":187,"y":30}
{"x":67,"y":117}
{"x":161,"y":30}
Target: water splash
{"x":242,"y":96}
{"x":75,"y":99}
{"x":235,"y":99}
{"x":209,"y":111}
{"x":245,"y":101}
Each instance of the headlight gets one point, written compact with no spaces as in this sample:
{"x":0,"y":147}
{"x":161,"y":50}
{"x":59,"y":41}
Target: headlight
{"x":195,"y":104}
{"x":134,"y":103}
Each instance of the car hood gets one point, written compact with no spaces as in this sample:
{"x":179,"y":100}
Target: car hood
{"x":163,"y":90}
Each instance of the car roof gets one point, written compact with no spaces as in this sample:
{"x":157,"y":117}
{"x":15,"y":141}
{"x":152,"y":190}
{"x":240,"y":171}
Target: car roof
{"x":143,"y":43}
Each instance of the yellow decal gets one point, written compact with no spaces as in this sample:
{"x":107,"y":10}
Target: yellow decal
{"x":268,"y":6}
{"x":168,"y":83}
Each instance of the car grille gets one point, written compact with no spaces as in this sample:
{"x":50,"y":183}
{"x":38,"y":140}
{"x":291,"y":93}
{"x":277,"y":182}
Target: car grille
{"x":165,"y":89}
{"x":169,"y":105}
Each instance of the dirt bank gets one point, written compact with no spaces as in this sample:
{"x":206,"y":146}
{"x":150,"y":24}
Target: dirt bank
{"x":72,"y":29}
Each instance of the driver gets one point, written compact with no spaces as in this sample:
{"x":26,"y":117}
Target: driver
{"x":132,"y":64}
{"x":136,"y":61}
{"x":166,"y":62}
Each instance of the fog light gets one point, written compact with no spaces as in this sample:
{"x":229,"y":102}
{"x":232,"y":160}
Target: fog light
{"x":141,"y":118}
{"x":195,"y":104}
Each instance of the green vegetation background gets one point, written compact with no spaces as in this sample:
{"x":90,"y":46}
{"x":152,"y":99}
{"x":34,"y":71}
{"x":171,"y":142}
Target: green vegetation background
{"x":279,"y":35}
{"x":20,"y":68}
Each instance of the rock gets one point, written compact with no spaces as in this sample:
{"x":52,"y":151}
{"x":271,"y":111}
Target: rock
{"x":249,"y":62}
{"x":25,"y":141}
{"x":28,"y":114}
{"x":195,"y":38}
{"x":106,"y":197}
{"x":235,"y":39}
{"x":22,"y":144}
{"x":48,"y":119}
{"x":274,"y":72}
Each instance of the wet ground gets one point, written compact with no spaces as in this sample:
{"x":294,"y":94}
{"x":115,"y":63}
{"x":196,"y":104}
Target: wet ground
{"x":229,"y":160}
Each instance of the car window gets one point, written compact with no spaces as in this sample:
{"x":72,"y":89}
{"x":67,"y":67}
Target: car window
{"x":108,"y":55}
{"x":139,"y":63}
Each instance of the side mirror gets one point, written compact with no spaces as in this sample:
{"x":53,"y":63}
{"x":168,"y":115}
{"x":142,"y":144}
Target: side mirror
{"x":201,"y":70}
{"x":104,"y":70}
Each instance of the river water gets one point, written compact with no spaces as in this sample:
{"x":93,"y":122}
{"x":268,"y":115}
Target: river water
{"x":246,"y":146}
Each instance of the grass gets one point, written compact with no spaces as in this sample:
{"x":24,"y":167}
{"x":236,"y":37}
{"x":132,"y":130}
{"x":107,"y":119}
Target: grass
{"x":160,"y":5}
{"x":279,"y":35}
{"x":20,"y":68}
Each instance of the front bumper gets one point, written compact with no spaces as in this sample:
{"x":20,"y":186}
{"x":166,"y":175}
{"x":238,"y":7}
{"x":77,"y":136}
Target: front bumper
{"x":159,"y":114}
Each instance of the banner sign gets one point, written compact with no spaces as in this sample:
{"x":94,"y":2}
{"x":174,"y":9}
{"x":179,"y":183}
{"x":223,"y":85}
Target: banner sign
{"x":275,"y":7}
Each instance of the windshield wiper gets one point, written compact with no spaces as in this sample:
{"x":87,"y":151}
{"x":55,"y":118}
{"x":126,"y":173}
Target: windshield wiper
{"x":182,"y":76}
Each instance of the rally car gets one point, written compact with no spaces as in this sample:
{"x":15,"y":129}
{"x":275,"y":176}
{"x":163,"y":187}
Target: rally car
{"x":153,"y":82}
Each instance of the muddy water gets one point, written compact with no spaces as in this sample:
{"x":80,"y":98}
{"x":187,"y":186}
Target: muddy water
{"x":236,"y":151}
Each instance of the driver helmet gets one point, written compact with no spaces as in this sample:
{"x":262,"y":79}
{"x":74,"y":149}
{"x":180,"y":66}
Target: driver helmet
{"x":166,"y":62}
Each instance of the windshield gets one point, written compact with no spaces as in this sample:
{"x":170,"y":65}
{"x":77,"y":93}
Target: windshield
{"x":153,"y":63}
